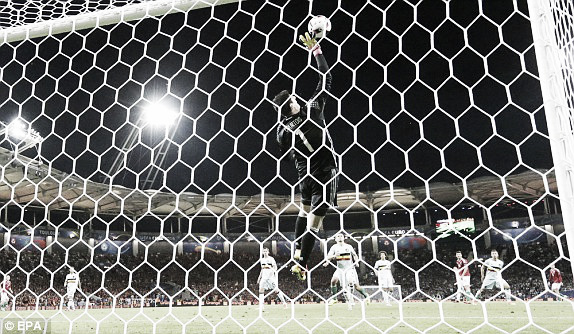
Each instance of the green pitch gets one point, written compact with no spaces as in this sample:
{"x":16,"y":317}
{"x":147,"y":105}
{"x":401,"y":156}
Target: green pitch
{"x":554,"y":317}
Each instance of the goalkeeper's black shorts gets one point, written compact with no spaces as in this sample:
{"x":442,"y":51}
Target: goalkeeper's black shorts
{"x":319,"y":190}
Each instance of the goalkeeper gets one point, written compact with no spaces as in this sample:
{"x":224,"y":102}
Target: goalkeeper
{"x":302,"y":132}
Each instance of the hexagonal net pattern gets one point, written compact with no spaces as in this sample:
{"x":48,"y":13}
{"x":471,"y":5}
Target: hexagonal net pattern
{"x":139,"y":145}
{"x":20,"y":13}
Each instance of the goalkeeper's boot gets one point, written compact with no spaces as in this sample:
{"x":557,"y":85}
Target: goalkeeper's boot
{"x":299,"y":271}
{"x":368,"y":301}
{"x":333,"y":301}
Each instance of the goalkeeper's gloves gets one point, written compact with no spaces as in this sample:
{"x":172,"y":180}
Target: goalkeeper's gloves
{"x":310,"y":43}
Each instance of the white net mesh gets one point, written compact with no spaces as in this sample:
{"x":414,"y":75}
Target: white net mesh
{"x":438,"y":125}
{"x":18,"y":13}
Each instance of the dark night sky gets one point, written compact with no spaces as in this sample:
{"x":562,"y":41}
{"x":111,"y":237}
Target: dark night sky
{"x":408,"y":81}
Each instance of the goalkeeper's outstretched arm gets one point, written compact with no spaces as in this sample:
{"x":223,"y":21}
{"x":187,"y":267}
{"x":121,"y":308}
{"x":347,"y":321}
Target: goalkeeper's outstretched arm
{"x":325,"y":77}
{"x":323,"y":67}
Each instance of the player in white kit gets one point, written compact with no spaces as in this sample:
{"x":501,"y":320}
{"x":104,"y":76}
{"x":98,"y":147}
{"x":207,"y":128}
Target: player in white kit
{"x":72,"y":283}
{"x":385,"y":276}
{"x":6,"y":289}
{"x":267,"y":279}
{"x":493,"y":277}
{"x":346,"y":275}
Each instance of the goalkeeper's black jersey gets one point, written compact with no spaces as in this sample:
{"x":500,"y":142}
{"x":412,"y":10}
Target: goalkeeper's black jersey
{"x":305,"y":133}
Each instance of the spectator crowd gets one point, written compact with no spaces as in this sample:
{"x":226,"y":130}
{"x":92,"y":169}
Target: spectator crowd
{"x":124,"y":280}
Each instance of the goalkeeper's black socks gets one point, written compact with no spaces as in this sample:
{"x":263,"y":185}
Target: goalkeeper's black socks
{"x":300,"y":227}
{"x":307,"y":244}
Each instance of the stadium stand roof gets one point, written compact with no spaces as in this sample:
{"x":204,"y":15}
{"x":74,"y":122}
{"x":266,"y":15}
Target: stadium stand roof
{"x":27,"y":182}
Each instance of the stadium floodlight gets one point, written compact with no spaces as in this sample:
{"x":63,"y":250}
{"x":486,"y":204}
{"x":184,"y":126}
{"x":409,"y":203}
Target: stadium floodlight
{"x":17,"y":129}
{"x":23,"y":133}
{"x":158,"y":114}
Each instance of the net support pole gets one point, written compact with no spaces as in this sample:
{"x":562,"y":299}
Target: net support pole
{"x":105,"y":17}
{"x":552,"y":61}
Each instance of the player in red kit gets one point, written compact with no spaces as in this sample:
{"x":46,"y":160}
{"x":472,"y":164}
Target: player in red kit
{"x":5,"y":288}
{"x":462,"y":277}
{"x":555,"y":278}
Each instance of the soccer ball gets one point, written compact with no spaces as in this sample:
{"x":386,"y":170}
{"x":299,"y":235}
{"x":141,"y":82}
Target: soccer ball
{"x":318,"y":26}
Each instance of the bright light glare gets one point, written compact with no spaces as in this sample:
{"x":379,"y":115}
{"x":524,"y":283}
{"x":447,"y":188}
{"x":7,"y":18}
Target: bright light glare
{"x":17,"y":129}
{"x":157,"y":114}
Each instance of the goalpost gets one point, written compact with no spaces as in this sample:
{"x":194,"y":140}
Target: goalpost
{"x":436,"y":115}
{"x":89,"y":18}
{"x":552,"y":32}
{"x":376,"y":293}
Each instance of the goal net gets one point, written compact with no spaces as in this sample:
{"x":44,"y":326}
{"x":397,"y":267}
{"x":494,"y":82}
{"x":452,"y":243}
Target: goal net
{"x":141,"y":180}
